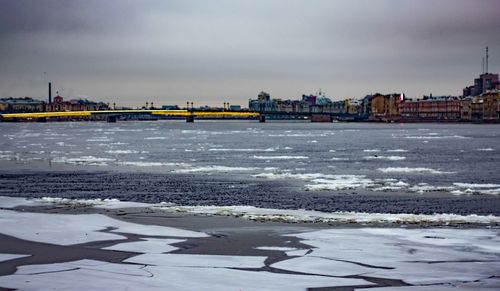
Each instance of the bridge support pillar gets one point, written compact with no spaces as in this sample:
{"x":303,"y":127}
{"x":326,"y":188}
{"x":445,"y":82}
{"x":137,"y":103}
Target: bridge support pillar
{"x":111,"y":119}
{"x":321,"y":118}
{"x":262,"y":118}
{"x":190,"y":118}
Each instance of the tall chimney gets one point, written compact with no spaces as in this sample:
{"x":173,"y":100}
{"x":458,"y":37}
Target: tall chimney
{"x":50,"y":93}
{"x":486,"y":60}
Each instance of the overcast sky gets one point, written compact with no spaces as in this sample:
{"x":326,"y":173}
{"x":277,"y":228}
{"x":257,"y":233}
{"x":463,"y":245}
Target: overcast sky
{"x":211,"y":52}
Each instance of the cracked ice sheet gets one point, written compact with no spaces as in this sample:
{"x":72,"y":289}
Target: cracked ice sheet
{"x":321,"y":266}
{"x":66,"y":229}
{"x":147,"y":246}
{"x":7,"y":257}
{"x":210,"y":261}
{"x":408,"y":251}
{"x":95,"y":275}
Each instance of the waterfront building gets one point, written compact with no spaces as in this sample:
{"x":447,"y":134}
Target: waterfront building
{"x":483,"y":84}
{"x":486,"y":108}
{"x":385,"y":107}
{"x":75,"y":105}
{"x":446,"y":108}
{"x":262,"y":103}
{"x":25,"y":104}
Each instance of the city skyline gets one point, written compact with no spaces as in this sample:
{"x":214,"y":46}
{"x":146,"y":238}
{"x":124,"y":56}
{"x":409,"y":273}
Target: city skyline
{"x":170,"y":52}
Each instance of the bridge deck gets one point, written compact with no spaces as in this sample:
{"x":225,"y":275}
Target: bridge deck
{"x":173,"y":113}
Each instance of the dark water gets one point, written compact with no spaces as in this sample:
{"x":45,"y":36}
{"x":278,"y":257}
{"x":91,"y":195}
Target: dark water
{"x":397,"y":168}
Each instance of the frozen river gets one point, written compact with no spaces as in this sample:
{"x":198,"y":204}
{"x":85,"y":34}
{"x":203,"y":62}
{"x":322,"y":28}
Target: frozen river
{"x":362,"y":167}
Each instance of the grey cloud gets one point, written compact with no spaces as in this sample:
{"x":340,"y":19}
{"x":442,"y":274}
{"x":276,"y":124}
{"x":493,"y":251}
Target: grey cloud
{"x":211,"y":49}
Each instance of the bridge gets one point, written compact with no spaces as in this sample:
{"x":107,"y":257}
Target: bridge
{"x":113,"y":115}
{"x":189,"y":115}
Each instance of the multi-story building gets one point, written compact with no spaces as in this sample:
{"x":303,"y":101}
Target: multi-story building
{"x":486,"y":108}
{"x":385,"y":107}
{"x":432,"y":109}
{"x":75,"y":105}
{"x":483,"y":84}
{"x":26,"y":104}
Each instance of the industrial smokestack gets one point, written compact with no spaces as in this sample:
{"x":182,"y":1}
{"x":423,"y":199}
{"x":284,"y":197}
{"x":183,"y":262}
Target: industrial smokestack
{"x":50,"y":93}
{"x":486,"y":60}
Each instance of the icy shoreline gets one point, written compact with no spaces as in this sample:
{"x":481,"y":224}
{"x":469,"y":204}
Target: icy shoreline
{"x":267,"y":214}
{"x":177,"y":252}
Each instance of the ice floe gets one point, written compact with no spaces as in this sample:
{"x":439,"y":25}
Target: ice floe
{"x":84,"y":160}
{"x":242,"y":150}
{"x":280,"y":157}
{"x":8,"y":257}
{"x":147,"y":246}
{"x":152,"y":164}
{"x":301,"y":215}
{"x":188,"y":260}
{"x":435,"y":137}
{"x":417,"y":170}
{"x":96,"y":275}
{"x":397,"y":151}
{"x":65,"y":229}
{"x":122,"y":152}
{"x":97,"y":203}
{"x":340,"y":182}
{"x":216,"y":169}
{"x":389,"y":158}
{"x":271,"y":248}
{"x":416,"y":256}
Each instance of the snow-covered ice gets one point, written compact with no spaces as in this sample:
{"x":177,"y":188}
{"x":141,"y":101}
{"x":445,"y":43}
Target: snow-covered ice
{"x":95,"y":275}
{"x":65,"y":229}
{"x":147,"y":246}
{"x":184,"y":260}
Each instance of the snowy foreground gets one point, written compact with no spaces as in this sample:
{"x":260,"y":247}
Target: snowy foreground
{"x":422,"y":259}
